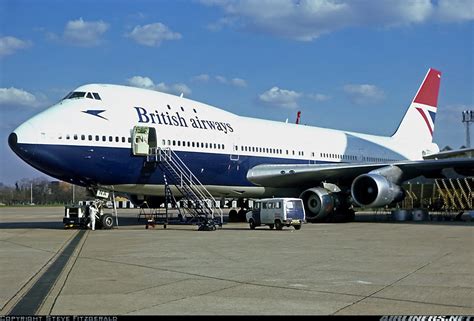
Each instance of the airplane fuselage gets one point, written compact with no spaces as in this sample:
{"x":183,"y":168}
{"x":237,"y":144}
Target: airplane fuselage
{"x":88,"y":142}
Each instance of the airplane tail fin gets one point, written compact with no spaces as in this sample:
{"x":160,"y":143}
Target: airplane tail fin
{"x":417,"y":126}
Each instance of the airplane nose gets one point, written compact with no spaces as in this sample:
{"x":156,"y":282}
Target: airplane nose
{"x":18,"y":141}
{"x":13,"y":142}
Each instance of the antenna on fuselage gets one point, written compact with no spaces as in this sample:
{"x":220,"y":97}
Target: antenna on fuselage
{"x":298,"y":116}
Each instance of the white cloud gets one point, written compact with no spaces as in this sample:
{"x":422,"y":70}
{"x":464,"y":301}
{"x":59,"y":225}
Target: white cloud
{"x":238,"y":82}
{"x":364,"y":93}
{"x":221,"y":79}
{"x":12,"y":97}
{"x":455,"y":10}
{"x":201,"y":78}
{"x":142,"y":82}
{"x":306,"y":20}
{"x":147,"y":83}
{"x":280,"y":98}
{"x":84,"y":33}
{"x":153,"y":35}
{"x":8,"y":45}
{"x":319,"y":97}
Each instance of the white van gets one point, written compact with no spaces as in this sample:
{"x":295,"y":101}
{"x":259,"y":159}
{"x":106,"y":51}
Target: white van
{"x":277,"y":212}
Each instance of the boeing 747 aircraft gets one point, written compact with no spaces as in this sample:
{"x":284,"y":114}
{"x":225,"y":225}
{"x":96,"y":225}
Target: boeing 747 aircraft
{"x":101,"y":136}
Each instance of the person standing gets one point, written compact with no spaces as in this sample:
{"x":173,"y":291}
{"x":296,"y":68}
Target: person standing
{"x":92,"y":213}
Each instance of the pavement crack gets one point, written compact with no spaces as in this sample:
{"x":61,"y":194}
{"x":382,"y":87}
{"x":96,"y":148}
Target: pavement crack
{"x":394,"y":282}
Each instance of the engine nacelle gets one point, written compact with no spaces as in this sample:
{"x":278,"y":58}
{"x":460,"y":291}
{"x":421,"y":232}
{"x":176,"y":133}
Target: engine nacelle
{"x":318,"y":203}
{"x":373,"y":190}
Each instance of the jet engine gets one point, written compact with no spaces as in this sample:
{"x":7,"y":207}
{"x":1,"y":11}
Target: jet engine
{"x":319,"y":203}
{"x":374,"y":190}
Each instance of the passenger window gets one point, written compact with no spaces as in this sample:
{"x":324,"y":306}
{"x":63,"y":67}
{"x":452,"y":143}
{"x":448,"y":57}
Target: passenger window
{"x":60,"y":137}
{"x":278,"y":205}
{"x":90,"y":137}
{"x":89,"y":95}
{"x":117,"y":139}
{"x":192,"y":144}
{"x":215,"y":146}
{"x":83,"y":137}
{"x":104,"y":139}
{"x":129,"y":139}
{"x":169,"y":107}
{"x":68,"y":137}
{"x":96,"y":96}
{"x":75,"y":137}
{"x":163,"y":142}
{"x":174,"y":143}
{"x":123,"y":139}
{"x":179,"y":143}
{"x":111,"y":139}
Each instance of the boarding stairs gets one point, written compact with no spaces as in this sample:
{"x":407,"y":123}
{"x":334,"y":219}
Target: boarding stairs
{"x":203,"y":209}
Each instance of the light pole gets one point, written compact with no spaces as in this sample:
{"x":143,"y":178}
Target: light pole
{"x":468,"y":118}
{"x":73,"y":194}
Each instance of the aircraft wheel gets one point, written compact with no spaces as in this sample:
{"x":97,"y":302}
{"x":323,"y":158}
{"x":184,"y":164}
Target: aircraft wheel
{"x":271,"y":226}
{"x":297,"y":227}
{"x":232,"y":216}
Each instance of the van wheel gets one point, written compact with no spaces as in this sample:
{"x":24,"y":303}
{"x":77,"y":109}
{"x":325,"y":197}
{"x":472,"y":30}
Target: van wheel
{"x":107,"y":221}
{"x":271,"y":226}
{"x":297,"y":227}
{"x":252,"y":224}
{"x":278,"y":225}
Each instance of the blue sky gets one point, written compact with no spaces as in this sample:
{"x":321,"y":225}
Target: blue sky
{"x":352,"y":65}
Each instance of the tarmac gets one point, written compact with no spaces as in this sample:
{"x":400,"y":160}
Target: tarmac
{"x":361,"y":268}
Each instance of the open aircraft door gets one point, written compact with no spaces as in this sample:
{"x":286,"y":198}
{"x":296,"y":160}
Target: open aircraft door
{"x":234,"y":157}
{"x":143,"y":140}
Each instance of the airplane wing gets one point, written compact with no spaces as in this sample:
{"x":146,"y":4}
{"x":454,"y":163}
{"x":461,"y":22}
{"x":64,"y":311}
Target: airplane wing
{"x":307,"y":175}
{"x":465,"y":152}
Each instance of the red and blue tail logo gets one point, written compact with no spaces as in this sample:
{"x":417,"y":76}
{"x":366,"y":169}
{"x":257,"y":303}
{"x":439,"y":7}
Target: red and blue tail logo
{"x":426,"y":99}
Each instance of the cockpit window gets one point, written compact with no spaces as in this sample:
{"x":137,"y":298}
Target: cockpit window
{"x":82,"y":94}
{"x":76,"y":94}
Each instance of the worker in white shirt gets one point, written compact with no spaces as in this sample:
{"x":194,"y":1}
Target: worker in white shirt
{"x":92,"y":212}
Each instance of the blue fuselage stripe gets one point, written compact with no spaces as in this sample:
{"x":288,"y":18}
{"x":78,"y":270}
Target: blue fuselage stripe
{"x":113,"y":165}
